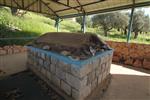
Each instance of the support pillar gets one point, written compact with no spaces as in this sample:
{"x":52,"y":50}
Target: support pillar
{"x":83,"y":26}
{"x":57,"y":22}
{"x":130,"y":25}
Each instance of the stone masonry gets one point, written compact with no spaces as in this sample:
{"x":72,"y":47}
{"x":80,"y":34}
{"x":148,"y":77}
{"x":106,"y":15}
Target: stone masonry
{"x":77,"y":80}
{"x":133,"y":54}
{"x":14,"y":49}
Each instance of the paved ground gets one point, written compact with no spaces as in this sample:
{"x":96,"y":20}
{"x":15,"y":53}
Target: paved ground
{"x":11,"y":64}
{"x":126,"y":84}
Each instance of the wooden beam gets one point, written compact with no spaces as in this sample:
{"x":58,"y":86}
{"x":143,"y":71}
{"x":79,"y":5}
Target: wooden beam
{"x":31,"y":4}
{"x":50,"y":8}
{"x":68,"y":2}
{"x":56,"y":1}
{"x":40,"y":6}
{"x":4,"y":1}
{"x":17,"y":3}
{"x":81,"y":5}
{"x":22,"y":3}
{"x":82,"y":9}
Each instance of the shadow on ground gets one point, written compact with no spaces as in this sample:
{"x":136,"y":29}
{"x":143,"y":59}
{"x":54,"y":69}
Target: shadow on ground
{"x":26,"y":86}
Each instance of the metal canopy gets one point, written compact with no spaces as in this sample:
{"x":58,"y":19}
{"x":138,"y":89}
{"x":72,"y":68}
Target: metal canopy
{"x":73,"y":8}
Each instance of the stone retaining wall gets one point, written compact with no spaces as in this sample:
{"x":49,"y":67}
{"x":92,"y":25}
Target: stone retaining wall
{"x":75,"y":79}
{"x":137,"y":55}
{"x":15,"y":49}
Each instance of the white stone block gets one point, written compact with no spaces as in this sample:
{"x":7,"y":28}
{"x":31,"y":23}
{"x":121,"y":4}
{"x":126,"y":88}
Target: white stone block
{"x":55,"y":80}
{"x":53,"y":68}
{"x":60,"y":73}
{"x":66,"y":88}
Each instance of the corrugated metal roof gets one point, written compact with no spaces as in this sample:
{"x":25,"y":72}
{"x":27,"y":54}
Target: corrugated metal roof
{"x":72,"y":8}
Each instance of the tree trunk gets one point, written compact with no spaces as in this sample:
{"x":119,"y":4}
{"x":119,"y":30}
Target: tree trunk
{"x":14,"y":11}
{"x":125,"y":31}
{"x":106,"y":33}
{"x":118,"y":29}
{"x":135,"y":35}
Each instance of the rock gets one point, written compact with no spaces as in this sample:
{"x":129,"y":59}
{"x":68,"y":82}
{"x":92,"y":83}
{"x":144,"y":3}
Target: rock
{"x":10,"y":51}
{"x":115,"y":59}
{"x":146,"y":63}
{"x":137,"y":63}
{"x":3,"y":52}
{"x":129,"y":61}
{"x":15,"y":50}
{"x":65,"y":53}
{"x":92,"y":50}
{"x":46,"y":47}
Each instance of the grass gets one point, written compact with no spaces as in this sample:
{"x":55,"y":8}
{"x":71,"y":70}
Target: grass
{"x":117,"y":36}
{"x":32,"y":24}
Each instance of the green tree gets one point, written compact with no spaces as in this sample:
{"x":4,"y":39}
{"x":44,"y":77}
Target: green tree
{"x":104,"y":21}
{"x":121,"y":21}
{"x":146,"y":26}
{"x":88,"y":21}
{"x":140,"y":23}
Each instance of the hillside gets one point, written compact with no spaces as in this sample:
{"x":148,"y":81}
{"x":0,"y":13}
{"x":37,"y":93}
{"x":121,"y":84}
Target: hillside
{"x":32,"y":24}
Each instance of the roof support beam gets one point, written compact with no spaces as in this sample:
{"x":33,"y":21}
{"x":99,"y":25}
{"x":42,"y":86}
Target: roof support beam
{"x":17,"y":3}
{"x":31,"y":4}
{"x":82,"y":5}
{"x":57,"y":23}
{"x":50,"y":8}
{"x":68,"y":2}
{"x":82,"y":9}
{"x":67,"y":5}
{"x":109,"y":9}
{"x":22,"y":3}
{"x":130,"y":23}
{"x":83,"y":25}
{"x":4,"y":1}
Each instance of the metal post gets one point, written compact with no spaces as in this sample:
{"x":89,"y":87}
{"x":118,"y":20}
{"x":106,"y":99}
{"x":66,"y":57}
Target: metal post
{"x":83,"y":26}
{"x":57,"y":24}
{"x":130,"y":25}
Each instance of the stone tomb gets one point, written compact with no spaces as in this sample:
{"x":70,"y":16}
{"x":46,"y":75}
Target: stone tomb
{"x":76,"y":79}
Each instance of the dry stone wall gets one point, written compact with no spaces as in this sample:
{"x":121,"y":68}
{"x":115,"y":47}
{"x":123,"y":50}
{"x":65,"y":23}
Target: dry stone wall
{"x":136,"y":55}
{"x":74,"y":79}
{"x":6,"y":50}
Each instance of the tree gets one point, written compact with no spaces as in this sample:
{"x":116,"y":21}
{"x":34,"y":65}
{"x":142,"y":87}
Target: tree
{"x":121,"y":21}
{"x":140,"y":22}
{"x":88,"y":21}
{"x":105,"y":21}
{"x":146,"y":26}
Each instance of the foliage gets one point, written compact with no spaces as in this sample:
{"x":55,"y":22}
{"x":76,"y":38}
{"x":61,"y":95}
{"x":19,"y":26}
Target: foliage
{"x":141,"y":23}
{"x":32,"y":25}
{"x":120,"y":22}
{"x":106,"y":21}
{"x":88,"y":21}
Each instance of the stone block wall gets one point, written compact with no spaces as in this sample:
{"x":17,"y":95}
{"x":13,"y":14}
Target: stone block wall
{"x":12,"y":60}
{"x":136,"y":55}
{"x":77,"y":79}
{"x":15,"y":49}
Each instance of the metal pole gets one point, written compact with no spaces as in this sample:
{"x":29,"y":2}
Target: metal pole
{"x":57,"y":24}
{"x":130,"y":25}
{"x":83,"y":26}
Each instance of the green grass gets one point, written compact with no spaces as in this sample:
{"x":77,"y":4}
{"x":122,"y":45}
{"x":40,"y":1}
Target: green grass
{"x":117,"y":36}
{"x":32,"y":24}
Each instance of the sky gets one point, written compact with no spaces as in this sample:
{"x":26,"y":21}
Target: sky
{"x":147,"y":10}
